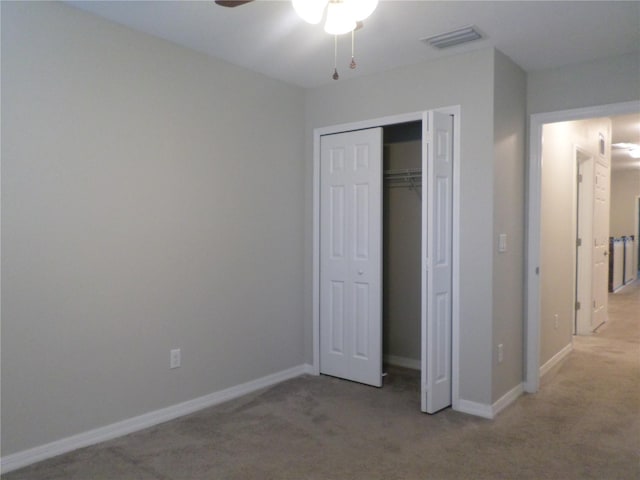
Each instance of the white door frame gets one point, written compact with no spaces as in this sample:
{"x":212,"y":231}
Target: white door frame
{"x":636,"y":232}
{"x":381,"y":122}
{"x":536,"y":123}
{"x":582,"y":264}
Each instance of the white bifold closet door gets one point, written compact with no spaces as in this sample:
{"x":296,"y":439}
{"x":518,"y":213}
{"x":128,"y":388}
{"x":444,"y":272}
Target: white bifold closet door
{"x":351,"y":255}
{"x":437,"y":261}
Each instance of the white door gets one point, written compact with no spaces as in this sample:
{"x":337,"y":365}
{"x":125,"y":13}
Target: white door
{"x":437,"y":233}
{"x":351,"y":255}
{"x":600,"y":245}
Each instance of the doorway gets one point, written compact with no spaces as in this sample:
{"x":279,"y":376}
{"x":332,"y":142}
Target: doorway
{"x":401,"y":234}
{"x":533,"y":306}
{"x":439,"y":310}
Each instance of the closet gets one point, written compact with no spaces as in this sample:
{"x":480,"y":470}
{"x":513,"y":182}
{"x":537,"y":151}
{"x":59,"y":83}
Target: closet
{"x":380,"y":239}
{"x":402,"y":198}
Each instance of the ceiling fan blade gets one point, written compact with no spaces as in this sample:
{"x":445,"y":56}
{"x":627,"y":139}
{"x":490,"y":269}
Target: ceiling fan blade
{"x":232,"y":3}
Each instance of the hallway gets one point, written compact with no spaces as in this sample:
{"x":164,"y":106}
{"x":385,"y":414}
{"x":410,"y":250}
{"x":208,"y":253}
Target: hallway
{"x":618,"y":340}
{"x":624,"y":314}
{"x":592,"y":399}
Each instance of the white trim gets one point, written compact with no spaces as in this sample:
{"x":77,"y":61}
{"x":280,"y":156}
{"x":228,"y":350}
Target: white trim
{"x":636,"y":234}
{"x":556,"y":359}
{"x":532,"y":294}
{"x":425,"y":154}
{"x":474,"y":408}
{"x":455,"y":268}
{"x":490,"y":411}
{"x":405,"y":362}
{"x":124,"y":427}
{"x":381,"y":122}
{"x":316,"y":253}
{"x":372,"y":123}
{"x":507,"y":399}
{"x":536,"y":122}
{"x":575,"y":204}
{"x":584,"y":263}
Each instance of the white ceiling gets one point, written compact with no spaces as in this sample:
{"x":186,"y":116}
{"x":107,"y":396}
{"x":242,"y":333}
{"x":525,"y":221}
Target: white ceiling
{"x":266,"y":36}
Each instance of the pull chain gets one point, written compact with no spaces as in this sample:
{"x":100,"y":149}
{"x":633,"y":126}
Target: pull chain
{"x":353,"y":65}
{"x":335,"y":58}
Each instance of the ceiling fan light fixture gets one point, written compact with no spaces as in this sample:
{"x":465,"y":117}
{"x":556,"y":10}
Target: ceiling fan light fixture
{"x":625,"y":145}
{"x":343,"y":16}
{"x":362,"y":8}
{"x":310,"y":11}
{"x":340,"y":19}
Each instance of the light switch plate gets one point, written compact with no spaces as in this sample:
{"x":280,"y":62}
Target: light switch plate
{"x":175,"y":359}
{"x":502,"y":242}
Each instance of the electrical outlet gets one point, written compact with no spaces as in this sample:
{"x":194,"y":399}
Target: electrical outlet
{"x":174,"y":361}
{"x":500,"y":353}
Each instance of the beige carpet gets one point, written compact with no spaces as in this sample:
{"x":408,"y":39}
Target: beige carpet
{"x":583,"y":424}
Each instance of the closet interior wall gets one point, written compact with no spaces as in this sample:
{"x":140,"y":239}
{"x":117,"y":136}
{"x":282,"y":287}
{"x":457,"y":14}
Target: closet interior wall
{"x":401,"y":245}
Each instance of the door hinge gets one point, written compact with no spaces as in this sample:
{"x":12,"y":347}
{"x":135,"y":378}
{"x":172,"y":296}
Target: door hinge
{"x":577,"y":305}
{"x":579,"y":242}
{"x":579,"y":178}
{"x":537,"y":270}
{"x":594,"y":304}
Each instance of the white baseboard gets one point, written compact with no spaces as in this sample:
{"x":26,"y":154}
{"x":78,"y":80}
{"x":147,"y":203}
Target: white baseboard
{"x":507,"y":399}
{"x":124,"y":427}
{"x":556,"y":359}
{"x":483,"y":410}
{"x":402,"y":362}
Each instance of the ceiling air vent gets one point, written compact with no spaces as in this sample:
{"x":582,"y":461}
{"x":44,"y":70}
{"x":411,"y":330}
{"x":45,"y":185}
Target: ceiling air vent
{"x":454,"y":37}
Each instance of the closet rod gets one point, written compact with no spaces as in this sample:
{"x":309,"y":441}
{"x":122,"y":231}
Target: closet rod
{"x":403,"y":172}
{"x":410,"y":177}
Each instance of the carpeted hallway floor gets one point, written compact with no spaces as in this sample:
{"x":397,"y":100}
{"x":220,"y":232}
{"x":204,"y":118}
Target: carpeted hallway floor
{"x":583,"y":424}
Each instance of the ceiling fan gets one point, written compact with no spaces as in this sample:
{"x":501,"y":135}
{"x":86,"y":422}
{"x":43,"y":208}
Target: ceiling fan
{"x":232,"y":3}
{"x":342,"y":16}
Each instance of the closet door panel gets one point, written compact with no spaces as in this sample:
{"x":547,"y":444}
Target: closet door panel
{"x":336,"y":321}
{"x":338,"y":220}
{"x":361,"y":234}
{"x":351,"y":256}
{"x":437,"y":264}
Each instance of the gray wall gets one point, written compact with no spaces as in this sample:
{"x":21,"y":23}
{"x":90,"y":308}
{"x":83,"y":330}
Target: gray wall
{"x":465,"y":80}
{"x":509,"y":218}
{"x":402,"y":236}
{"x":557,"y":237}
{"x":152,"y":198}
{"x":600,"y":82}
{"x":625,"y":189}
